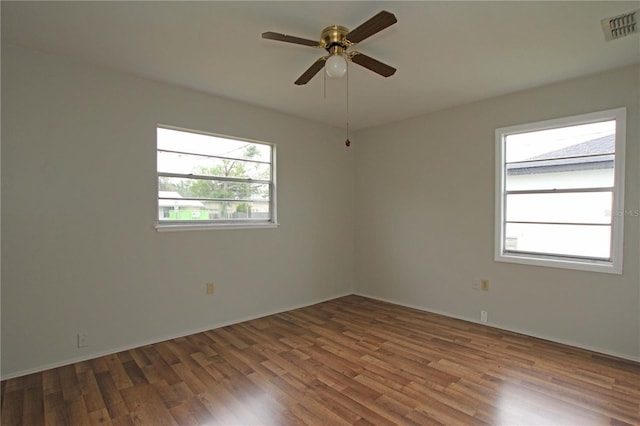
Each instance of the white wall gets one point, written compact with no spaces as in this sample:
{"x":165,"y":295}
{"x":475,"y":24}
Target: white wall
{"x":80,"y":253}
{"x":79,"y":248}
{"x":425,"y":211}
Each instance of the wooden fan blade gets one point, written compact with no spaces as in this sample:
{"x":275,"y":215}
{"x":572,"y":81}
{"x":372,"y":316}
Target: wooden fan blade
{"x":313,"y":70}
{"x":372,"y":64}
{"x":289,"y":39}
{"x":378,"y":23}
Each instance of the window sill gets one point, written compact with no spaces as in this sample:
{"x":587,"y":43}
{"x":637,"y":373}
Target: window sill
{"x":552,"y":262}
{"x":213,"y":226}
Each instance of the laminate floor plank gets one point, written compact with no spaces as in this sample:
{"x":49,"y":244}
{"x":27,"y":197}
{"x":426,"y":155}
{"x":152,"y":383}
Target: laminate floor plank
{"x":348,"y":361}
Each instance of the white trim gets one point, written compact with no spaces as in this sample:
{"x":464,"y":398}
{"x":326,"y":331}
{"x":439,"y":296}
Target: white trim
{"x":214,"y":226}
{"x":274,"y":187}
{"x":143,"y":343}
{"x":559,"y":262}
{"x":165,"y":225}
{"x":617,"y":233}
{"x":507,"y":328}
{"x":94,"y":355}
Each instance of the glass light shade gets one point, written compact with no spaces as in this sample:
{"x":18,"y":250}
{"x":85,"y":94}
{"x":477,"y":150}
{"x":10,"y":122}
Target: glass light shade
{"x":336,"y":66}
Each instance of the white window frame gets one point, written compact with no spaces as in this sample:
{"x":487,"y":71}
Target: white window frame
{"x":162,"y":226}
{"x":612,"y":266}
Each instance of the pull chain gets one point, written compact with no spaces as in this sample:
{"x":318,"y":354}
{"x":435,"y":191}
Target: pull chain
{"x":347,"y":142}
{"x":325,"y":84}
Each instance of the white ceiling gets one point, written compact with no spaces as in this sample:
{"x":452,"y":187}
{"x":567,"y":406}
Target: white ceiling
{"x":447,"y":53}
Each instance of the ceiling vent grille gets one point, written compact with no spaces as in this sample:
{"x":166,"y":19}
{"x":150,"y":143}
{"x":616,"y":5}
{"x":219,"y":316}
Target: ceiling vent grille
{"x":621,"y":25}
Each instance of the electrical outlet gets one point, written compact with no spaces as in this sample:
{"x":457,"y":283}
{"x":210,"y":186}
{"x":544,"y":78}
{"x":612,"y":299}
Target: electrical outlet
{"x":484,"y":285}
{"x":83,"y":340}
{"x":483,"y":316}
{"x":210,"y":288}
{"x":480,"y":284}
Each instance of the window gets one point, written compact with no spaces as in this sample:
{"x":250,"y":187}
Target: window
{"x":207,"y":181}
{"x":559,"y":192}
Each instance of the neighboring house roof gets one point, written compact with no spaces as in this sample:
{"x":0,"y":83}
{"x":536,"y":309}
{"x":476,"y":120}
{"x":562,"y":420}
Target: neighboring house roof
{"x":172,"y":199}
{"x":589,"y":155}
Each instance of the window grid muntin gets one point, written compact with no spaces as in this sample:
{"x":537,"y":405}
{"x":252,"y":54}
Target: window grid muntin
{"x":212,"y":178}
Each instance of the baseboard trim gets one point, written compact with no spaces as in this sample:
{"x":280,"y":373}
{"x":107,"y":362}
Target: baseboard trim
{"x":88,"y":357}
{"x":93,"y":355}
{"x":507,"y":328}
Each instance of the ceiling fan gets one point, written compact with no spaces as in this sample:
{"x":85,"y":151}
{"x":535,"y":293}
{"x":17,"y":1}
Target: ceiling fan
{"x":336,"y":40}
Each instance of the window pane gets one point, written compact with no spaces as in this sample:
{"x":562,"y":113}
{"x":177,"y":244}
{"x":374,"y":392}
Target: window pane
{"x":580,"y":207}
{"x":567,"y":240}
{"x":561,"y":142}
{"x":194,"y":210}
{"x":200,"y":188}
{"x":580,"y":156}
{"x":594,"y":178}
{"x":196,"y":143}
{"x":170,"y":162}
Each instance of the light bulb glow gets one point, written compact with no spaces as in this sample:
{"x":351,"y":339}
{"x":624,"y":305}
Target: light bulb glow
{"x":336,"y":66}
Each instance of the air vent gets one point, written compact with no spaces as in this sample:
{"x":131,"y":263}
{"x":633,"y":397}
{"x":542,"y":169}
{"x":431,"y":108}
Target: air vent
{"x":620,"y":26}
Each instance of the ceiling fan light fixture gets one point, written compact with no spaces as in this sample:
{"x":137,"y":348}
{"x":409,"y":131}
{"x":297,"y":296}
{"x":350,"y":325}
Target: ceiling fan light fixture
{"x":336,"y":66}
{"x":337,"y":40}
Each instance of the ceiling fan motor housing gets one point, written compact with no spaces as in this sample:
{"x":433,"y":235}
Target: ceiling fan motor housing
{"x":335,"y":36}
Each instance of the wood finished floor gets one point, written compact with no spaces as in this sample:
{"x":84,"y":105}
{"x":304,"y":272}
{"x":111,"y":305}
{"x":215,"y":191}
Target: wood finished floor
{"x":351,"y":360}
